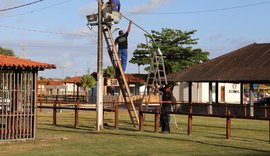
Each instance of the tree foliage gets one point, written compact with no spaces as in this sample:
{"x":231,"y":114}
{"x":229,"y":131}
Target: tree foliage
{"x":109,"y":72}
{"x":176,"y":47}
{"x":5,"y":51}
{"x":88,"y":81}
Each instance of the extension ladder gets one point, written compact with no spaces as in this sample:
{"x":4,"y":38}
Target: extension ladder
{"x":111,"y":47}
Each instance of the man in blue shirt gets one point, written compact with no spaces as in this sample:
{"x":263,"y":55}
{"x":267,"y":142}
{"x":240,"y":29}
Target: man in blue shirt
{"x":115,"y":5}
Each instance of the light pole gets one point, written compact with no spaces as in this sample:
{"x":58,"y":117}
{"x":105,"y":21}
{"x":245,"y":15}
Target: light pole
{"x":96,"y":20}
{"x":99,"y":107}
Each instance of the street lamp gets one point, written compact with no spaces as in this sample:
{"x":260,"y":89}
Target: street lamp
{"x":92,"y":20}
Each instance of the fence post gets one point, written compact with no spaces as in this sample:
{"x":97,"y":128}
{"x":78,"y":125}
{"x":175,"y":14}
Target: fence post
{"x":190,"y":120}
{"x":228,"y":125}
{"x":265,"y":110}
{"x":245,"y":109}
{"x":156,"y":120}
{"x":189,"y":124}
{"x":54,"y":114}
{"x":116,"y":114}
{"x":77,"y":106}
{"x":40,"y":104}
{"x":141,"y":119}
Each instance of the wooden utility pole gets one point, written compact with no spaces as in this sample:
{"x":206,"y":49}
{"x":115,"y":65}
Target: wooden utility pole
{"x":99,"y":107}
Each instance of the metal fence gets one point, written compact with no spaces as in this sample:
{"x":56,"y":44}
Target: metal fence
{"x":17,"y":104}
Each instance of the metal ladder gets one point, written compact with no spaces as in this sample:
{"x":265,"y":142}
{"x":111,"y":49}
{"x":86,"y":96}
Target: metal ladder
{"x":120,"y":75}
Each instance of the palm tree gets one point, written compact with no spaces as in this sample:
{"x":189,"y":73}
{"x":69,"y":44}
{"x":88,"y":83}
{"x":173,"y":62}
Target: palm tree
{"x":88,"y":81}
{"x":109,"y":72}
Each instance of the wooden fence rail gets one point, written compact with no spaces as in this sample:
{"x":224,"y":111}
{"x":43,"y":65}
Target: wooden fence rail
{"x":76,"y":107}
{"x":227,"y":115}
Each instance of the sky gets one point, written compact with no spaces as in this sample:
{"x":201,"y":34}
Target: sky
{"x":55,"y":31}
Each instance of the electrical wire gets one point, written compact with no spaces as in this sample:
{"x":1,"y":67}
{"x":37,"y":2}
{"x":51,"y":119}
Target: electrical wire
{"x":33,"y":11}
{"x":201,"y":11}
{"x":20,"y":6}
{"x":42,"y":31}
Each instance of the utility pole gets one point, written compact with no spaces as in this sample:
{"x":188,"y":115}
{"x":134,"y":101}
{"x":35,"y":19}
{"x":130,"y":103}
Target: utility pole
{"x":99,"y":107}
{"x":24,"y":50}
{"x":88,"y":71}
{"x":63,"y":71}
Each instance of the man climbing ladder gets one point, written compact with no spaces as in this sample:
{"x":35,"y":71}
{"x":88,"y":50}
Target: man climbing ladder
{"x":122,"y":42}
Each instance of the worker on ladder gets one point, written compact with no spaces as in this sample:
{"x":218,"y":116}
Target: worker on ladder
{"x":166,"y":107}
{"x":122,"y":42}
{"x":115,"y":5}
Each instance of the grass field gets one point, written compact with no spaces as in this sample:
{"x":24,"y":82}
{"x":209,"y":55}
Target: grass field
{"x":208,"y":138}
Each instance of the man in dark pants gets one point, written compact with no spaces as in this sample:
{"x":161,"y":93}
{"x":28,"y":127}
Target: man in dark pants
{"x":166,"y":107}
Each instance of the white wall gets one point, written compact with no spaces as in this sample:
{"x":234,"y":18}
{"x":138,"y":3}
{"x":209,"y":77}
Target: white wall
{"x":200,"y":92}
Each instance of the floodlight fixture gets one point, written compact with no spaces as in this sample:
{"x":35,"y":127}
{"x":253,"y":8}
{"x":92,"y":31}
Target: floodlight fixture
{"x":92,"y":18}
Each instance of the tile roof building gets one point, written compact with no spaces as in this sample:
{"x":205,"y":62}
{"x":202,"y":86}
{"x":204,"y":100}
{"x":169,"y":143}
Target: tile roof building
{"x":18,"y":97}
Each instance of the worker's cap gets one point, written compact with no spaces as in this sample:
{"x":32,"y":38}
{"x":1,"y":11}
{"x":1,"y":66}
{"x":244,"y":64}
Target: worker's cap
{"x":121,"y":32}
{"x":170,"y":85}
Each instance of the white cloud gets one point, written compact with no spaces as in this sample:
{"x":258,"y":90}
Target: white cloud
{"x":149,"y":6}
{"x":88,"y":9}
{"x":7,"y":4}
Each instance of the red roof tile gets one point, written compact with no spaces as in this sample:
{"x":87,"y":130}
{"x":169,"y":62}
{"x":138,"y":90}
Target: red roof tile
{"x":76,"y":79}
{"x":131,"y":78}
{"x":11,"y":61}
{"x":55,"y":83}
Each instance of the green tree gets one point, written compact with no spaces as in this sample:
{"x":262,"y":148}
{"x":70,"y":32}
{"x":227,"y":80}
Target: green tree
{"x":87,"y":81}
{"x":109,"y":72}
{"x":176,"y":47}
{"x":5,"y":51}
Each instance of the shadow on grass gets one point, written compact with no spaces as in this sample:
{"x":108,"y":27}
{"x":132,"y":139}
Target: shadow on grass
{"x":164,"y":137}
{"x":91,"y":130}
{"x":223,"y":127}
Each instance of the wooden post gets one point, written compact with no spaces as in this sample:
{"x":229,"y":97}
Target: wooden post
{"x":189,"y":124}
{"x":40,"y":103}
{"x":210,"y":100}
{"x":156,"y":120}
{"x":190,"y":110}
{"x":77,"y":106}
{"x":245,"y":109}
{"x":226,"y":109}
{"x":217,"y":93}
{"x":54,"y":114}
{"x":141,"y":120}
{"x":265,"y":110}
{"x":228,"y":126}
{"x":116,"y":114}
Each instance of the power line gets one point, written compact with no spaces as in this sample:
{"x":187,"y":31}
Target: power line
{"x":20,"y":6}
{"x":202,"y":11}
{"x":33,"y":11}
{"x":42,"y":31}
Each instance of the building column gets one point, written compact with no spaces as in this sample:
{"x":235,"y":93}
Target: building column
{"x":251,"y":100}
{"x":217,"y":92}
{"x":210,"y":100}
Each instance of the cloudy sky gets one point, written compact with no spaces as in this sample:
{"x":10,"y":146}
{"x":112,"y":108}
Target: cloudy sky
{"x":54,"y":31}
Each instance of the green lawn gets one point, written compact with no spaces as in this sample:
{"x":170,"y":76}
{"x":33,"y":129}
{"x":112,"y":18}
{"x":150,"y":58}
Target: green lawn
{"x":208,"y":138}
